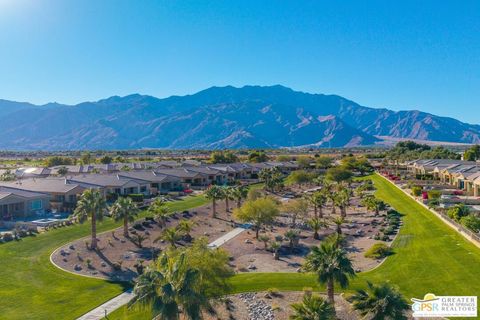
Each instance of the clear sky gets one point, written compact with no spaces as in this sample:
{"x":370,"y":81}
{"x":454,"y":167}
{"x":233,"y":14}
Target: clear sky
{"x":396,"y":54}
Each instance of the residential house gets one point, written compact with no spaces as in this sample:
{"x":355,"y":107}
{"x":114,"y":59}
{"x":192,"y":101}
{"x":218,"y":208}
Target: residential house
{"x":63,"y":194}
{"x":18,"y":204}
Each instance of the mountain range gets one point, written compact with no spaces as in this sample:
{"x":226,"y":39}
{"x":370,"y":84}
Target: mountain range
{"x":218,"y":118}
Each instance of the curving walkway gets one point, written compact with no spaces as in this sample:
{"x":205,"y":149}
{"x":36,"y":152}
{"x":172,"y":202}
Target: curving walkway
{"x":108,"y":307}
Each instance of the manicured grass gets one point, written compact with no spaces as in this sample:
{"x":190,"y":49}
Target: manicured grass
{"x":32,"y":288}
{"x":428,"y":257}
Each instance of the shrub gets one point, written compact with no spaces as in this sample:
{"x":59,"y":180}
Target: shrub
{"x":7,"y":237}
{"x":417,"y":191}
{"x":378,"y":251}
{"x":136,"y":197}
{"x":471,"y":222}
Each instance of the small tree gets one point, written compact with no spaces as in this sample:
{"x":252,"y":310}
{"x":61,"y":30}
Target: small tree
{"x":160,"y":211}
{"x":296,"y":208}
{"x":338,"y":174}
{"x":417,"y":191}
{"x":259,"y":212}
{"x":316,"y":224}
{"x":292,"y":236}
{"x":170,"y":235}
{"x":186,"y":227}
{"x":265,"y":239}
{"x":276,"y":249}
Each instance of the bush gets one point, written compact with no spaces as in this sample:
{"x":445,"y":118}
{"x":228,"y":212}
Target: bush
{"x":7,"y":237}
{"x":471,"y":222}
{"x":378,"y":251}
{"x":136,"y":197}
{"x":417,"y":191}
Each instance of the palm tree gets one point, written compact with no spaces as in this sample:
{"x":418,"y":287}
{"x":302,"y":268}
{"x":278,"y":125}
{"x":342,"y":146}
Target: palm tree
{"x":160,"y":211}
{"x":316,"y":224}
{"x":292,"y":236}
{"x":124,"y":209}
{"x":170,"y":288}
{"x":343,"y":200}
{"x":312,"y":307}
{"x":171,"y":235}
{"x":227,"y":196}
{"x":214,"y":193}
{"x":373,"y":204}
{"x":91,"y":205}
{"x":186,"y":227}
{"x":317,"y":200}
{"x":331,"y":265}
{"x":338,"y":221}
{"x":379,"y":302}
{"x":276,"y":248}
{"x":265,"y":239}
{"x":239,"y":193}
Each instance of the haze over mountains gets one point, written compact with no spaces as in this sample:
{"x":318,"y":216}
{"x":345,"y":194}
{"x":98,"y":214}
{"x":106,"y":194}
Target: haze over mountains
{"x":217,"y":118}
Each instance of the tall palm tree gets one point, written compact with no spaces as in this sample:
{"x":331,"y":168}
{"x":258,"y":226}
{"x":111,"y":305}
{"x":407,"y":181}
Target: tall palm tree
{"x":317,"y":200}
{"x":343,"y":200}
{"x":170,"y":235}
{"x":331,"y":265}
{"x":316,"y":224}
{"x":227,"y":196}
{"x":239,"y":193}
{"x":380,"y":302}
{"x":124,"y":209}
{"x":214,"y":193}
{"x":169,"y":288}
{"x":91,"y":205}
{"x":312,"y":307}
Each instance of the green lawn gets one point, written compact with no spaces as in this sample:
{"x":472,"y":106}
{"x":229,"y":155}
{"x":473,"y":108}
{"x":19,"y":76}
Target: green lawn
{"x":32,"y":288}
{"x":429,"y":257}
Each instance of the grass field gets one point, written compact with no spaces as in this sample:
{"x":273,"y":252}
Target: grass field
{"x":429,"y":257}
{"x":32,"y":288}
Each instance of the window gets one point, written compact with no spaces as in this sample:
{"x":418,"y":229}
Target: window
{"x":36,"y":204}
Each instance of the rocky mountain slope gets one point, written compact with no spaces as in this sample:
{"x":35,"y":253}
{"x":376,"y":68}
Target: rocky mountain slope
{"x":216,"y":118}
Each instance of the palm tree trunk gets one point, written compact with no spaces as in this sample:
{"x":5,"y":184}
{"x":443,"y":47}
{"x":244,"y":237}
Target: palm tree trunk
{"x":316,"y":236}
{"x":320,"y":211}
{"x":334,"y":211}
{"x":315,"y":211}
{"x":94,"y":232}
{"x":214,"y":208}
{"x":125,"y":226}
{"x":330,"y":291}
{"x":239,"y":203}
{"x":257,"y":230}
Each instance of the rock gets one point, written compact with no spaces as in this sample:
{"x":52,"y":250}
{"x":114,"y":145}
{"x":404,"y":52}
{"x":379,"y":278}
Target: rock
{"x":77,"y":267}
{"x":103,"y":264}
{"x":248,"y":241}
{"x":251,"y":267}
{"x":72,"y":247}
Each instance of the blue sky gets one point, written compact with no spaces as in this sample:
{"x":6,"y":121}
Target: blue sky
{"x":400,"y":55}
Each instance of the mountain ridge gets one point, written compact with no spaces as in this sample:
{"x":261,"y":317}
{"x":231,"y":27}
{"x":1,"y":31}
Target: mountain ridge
{"x":217,"y":118}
